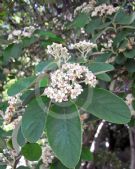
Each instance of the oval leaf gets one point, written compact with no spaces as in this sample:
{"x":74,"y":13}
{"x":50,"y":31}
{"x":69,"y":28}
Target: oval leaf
{"x":105,"y":105}
{"x":64,"y":134}
{"x":33,"y":121}
{"x":31,"y":151}
{"x":100,"y":67}
{"x":46,"y":66}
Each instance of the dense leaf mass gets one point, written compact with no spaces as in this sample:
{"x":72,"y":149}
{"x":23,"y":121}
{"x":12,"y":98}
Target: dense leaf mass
{"x":67,"y":73}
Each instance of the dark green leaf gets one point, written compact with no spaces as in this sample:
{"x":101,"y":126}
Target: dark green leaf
{"x":120,"y":37}
{"x":46,"y":66}
{"x":130,"y":65}
{"x":48,"y":35}
{"x":33,"y":121}
{"x":80,"y":21}
{"x":20,"y":138}
{"x":31,"y":151}
{"x":100,"y":67}
{"x":86,"y":154}
{"x":12,"y":51}
{"x":93,"y":25}
{"x":105,"y":77}
{"x":20,"y":85}
{"x":120,"y":59}
{"x":103,"y":57}
{"x":27,"y":41}
{"x":23,"y":167}
{"x":64,"y":133}
{"x":124,"y":18}
{"x":57,"y":165}
{"x":104,"y":105}
{"x":2,"y":145}
{"x":130,"y":54}
{"x":3,"y":166}
{"x":132,"y":122}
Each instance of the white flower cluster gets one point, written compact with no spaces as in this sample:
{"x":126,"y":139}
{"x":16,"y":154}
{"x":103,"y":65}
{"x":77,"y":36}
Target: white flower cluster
{"x":104,"y":9}
{"x":85,"y":7}
{"x":26,"y":32}
{"x":65,"y":82}
{"x":13,"y":102}
{"x":129,"y":99}
{"x":47,"y":156}
{"x":84,"y":47}
{"x":59,"y":52}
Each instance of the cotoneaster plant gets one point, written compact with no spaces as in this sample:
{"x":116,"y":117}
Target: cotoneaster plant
{"x":63,"y":88}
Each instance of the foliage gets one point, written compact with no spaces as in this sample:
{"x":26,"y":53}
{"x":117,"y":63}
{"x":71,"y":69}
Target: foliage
{"x":27,"y":68}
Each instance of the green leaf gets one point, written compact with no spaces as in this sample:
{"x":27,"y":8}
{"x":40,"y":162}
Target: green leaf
{"x":2,"y":145}
{"x":100,"y":67}
{"x":130,"y":54}
{"x":31,"y":151}
{"x":80,"y":21}
{"x":103,"y":57}
{"x":48,"y":35}
{"x":15,"y":144}
{"x":132,"y":122}
{"x":93,"y":25}
{"x":23,"y":167}
{"x":64,"y":133}
{"x":120,"y":59}
{"x":46,"y":66}
{"x":57,"y":165}
{"x":12,"y":51}
{"x":3,"y":166}
{"x":120,"y":37}
{"x":124,"y":18}
{"x":27,"y":41}
{"x":104,"y":105}
{"x":105,"y":77}
{"x":20,"y":85}
{"x":96,"y":24}
{"x":20,"y":138}
{"x":86,"y":154}
{"x":130,"y":65}
{"x":44,"y":82}
{"x":31,"y":94}
{"x":33,"y":121}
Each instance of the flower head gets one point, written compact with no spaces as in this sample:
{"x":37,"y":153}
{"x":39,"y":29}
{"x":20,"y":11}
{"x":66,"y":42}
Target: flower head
{"x":47,"y":155}
{"x":85,"y":7}
{"x":104,"y":9}
{"x":66,"y":82}
{"x":59,"y":52}
{"x":84,"y":47}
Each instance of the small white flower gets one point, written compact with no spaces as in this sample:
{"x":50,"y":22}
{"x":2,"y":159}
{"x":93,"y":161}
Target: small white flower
{"x":84,"y":47}
{"x":104,"y":9}
{"x":129,"y":99}
{"x":47,"y":155}
{"x":65,"y":82}
{"x":85,"y":7}
{"x":13,"y":103}
{"x":59,"y":52}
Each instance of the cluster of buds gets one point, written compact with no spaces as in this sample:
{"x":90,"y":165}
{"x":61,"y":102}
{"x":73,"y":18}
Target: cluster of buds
{"x":103,"y":10}
{"x":84,"y":47}
{"x":66,"y":82}
{"x":47,"y":156}
{"x":60,"y":53}
{"x":129,"y":100}
{"x":85,"y":7}
{"x":13,"y":104}
{"x":17,"y":34}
